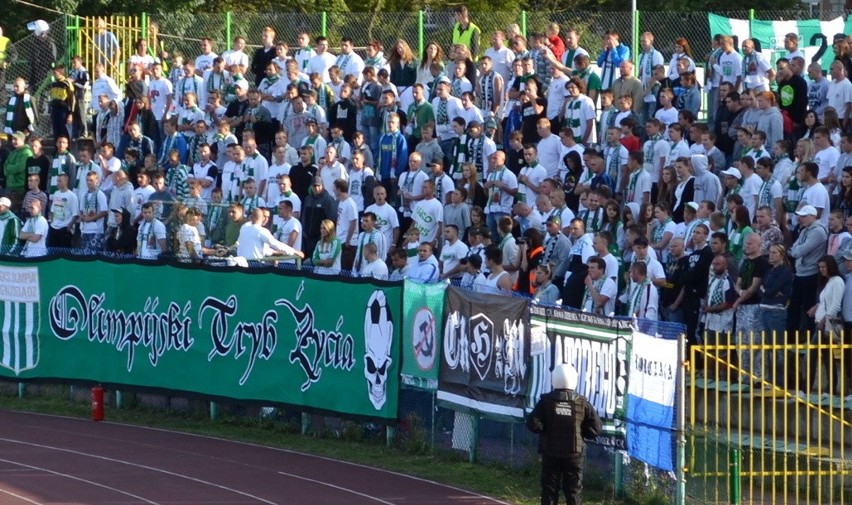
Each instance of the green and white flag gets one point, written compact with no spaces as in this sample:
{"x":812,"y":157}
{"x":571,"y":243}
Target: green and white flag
{"x":771,"y":34}
{"x":423,"y":315}
{"x":19,"y":318}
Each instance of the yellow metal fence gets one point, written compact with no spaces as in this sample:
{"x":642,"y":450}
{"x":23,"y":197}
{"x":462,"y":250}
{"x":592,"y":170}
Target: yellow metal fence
{"x":94,"y":43}
{"x":786,"y":409}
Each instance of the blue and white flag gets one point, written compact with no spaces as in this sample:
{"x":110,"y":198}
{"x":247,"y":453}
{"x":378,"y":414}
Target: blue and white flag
{"x":650,"y":400}
{"x":19,"y":318}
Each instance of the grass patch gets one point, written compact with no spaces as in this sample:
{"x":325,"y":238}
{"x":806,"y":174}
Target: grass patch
{"x":410,"y":452}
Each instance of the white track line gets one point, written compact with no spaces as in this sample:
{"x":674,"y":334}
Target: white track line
{"x":72,"y":477}
{"x":137,"y":465}
{"x":340,"y":488}
{"x":278,"y":449}
{"x":20,"y":497}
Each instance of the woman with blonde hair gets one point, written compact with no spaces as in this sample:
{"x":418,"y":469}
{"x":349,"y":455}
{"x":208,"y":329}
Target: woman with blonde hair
{"x":327,"y":254}
{"x":403,"y":65}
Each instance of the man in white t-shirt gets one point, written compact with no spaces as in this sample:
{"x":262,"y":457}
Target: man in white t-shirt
{"x":387,"y":220}
{"x":63,"y":213}
{"x":347,"y":223}
{"x":286,"y":226}
{"x":205,"y":60}
{"x":825,"y":156}
{"x":34,"y":232}
{"x":322,"y":61}
{"x":452,"y":252}
{"x":428,"y":214}
{"x":549,"y":149}
{"x":151,"y":237}
{"x":374,"y":266}
{"x":601,"y":290}
{"x":501,"y":186}
{"x":750,"y":185}
{"x":840,"y":91}
{"x":530,"y":176}
{"x":160,"y":93}
{"x":815,"y":195}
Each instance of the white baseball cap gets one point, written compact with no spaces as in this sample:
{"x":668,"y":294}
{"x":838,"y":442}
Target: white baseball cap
{"x":733,"y":172}
{"x":5,"y":202}
{"x":807,"y":210}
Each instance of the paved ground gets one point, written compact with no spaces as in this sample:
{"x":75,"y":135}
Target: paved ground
{"x":60,"y":460}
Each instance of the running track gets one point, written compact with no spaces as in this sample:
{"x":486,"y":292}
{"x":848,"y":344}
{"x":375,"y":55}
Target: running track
{"x":61,"y":460}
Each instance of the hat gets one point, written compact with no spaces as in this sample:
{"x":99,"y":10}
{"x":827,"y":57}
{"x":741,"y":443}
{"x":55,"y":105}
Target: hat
{"x":733,"y":172}
{"x":473,"y":259}
{"x":838,"y":36}
{"x":316,"y":180}
{"x":692,"y":205}
{"x":311,"y":120}
{"x":807,"y":210}
{"x":117,"y":211}
{"x":554,"y":219}
{"x":748,"y":129}
{"x":5,"y":202}
{"x":444,"y":79}
{"x":38,"y":27}
{"x":21,"y":136}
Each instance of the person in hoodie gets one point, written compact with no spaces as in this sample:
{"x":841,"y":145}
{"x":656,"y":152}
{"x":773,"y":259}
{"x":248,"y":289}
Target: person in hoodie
{"x":770,"y":120}
{"x":707,"y":184}
{"x":121,"y":238}
{"x":15,"y":170}
{"x":121,"y":197}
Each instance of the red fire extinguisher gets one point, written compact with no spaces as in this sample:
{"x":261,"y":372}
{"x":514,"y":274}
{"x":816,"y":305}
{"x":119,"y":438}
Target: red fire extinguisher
{"x":97,"y":403}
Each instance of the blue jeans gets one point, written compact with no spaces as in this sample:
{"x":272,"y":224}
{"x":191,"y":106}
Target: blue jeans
{"x":774,"y":326}
{"x":371,"y":138}
{"x":674,"y":316}
{"x":491,"y":220}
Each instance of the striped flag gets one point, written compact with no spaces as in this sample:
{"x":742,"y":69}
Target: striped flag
{"x":771,"y":34}
{"x":19,"y":318}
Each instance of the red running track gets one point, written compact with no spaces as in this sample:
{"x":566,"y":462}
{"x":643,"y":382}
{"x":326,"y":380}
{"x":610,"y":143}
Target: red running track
{"x":60,"y":460}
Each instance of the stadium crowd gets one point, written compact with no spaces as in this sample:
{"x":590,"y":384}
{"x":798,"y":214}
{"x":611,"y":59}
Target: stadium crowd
{"x":507,"y":164}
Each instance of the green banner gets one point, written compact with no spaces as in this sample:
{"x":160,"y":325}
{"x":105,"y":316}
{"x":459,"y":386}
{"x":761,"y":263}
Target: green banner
{"x":262,"y":335}
{"x":423,"y":307}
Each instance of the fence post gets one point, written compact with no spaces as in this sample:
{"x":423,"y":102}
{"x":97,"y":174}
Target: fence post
{"x":734,"y":477}
{"x":214,"y":411}
{"x":524,"y":23}
{"x":228,"y":29}
{"x":474,"y":438}
{"x":750,"y":23}
{"x":324,"y":24}
{"x":635,"y":41}
{"x":145,"y":28}
{"x":420,"y":32}
{"x":680,"y":489}
{"x":618,"y":475}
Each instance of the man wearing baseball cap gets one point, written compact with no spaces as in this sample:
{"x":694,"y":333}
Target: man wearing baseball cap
{"x":807,"y":250}
{"x":10,"y":227}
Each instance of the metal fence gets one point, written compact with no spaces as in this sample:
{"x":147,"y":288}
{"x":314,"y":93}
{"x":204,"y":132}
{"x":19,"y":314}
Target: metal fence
{"x":770,"y":423}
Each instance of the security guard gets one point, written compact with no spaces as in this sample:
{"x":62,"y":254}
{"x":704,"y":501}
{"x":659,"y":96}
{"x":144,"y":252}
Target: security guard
{"x":465,"y":32}
{"x":563,"y":418}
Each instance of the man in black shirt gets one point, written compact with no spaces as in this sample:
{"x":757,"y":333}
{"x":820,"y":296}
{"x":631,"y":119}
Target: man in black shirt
{"x":302,"y":173}
{"x":749,"y":321}
{"x":695,"y":280}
